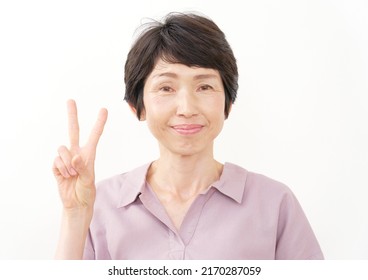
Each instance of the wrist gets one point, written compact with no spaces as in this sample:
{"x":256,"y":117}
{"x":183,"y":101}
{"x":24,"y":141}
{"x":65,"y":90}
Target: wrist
{"x":79,"y":217}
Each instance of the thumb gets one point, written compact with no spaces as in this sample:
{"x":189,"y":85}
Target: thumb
{"x":78,"y":164}
{"x":85,"y":175}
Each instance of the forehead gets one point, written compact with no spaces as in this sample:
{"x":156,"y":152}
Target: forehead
{"x":178,"y":70}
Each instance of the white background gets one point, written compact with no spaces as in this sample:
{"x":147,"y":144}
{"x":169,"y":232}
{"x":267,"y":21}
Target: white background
{"x":300,"y":118}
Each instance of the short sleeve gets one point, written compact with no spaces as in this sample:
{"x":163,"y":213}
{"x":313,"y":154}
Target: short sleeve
{"x":295,"y":237}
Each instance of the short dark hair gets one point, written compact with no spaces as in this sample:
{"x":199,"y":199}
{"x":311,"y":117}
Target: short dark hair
{"x":185,"y":38}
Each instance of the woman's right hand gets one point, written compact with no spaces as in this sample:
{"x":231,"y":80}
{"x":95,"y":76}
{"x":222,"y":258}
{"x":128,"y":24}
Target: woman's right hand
{"x":73,"y":168}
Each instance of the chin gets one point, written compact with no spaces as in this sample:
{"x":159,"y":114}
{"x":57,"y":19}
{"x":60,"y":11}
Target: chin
{"x":188,"y":151}
{"x":189,"y":148}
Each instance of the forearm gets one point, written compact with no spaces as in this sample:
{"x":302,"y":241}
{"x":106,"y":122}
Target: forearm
{"x":73,"y":233}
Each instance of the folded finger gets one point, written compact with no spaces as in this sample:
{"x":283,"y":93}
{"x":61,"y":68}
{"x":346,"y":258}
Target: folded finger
{"x":66,"y":158}
{"x":59,"y":168}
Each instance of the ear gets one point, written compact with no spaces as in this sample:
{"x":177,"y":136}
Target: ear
{"x":134,"y":111}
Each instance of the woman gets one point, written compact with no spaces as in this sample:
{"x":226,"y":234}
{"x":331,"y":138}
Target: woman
{"x":181,"y":78}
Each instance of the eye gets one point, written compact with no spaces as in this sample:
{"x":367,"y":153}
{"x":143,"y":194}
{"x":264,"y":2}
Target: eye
{"x":205,"y":87}
{"x":166,"y":89}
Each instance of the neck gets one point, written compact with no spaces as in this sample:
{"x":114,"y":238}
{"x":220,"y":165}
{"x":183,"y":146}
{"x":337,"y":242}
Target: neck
{"x":185,"y":176}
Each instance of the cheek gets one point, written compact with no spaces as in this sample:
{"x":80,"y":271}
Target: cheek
{"x":216,"y":108}
{"x":217,"y":114}
{"x":156,"y":108}
{"x":157,"y":114}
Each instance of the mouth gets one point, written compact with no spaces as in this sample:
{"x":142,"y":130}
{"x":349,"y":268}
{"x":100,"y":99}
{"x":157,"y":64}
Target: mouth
{"x":187,"y":129}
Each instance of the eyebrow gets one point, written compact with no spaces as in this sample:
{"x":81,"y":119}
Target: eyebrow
{"x":196,"y":77}
{"x":205,"y":76}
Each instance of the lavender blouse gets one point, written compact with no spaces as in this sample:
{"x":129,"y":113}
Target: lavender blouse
{"x":243,"y":215}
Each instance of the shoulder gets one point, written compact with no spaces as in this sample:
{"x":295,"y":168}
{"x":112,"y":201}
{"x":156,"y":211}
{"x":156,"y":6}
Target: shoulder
{"x":270,"y":196}
{"x":262,"y":183}
{"x":121,"y":187}
{"x":256,"y":183}
{"x":256,"y":190}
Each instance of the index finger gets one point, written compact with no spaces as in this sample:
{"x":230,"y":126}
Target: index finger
{"x":73,"y":124}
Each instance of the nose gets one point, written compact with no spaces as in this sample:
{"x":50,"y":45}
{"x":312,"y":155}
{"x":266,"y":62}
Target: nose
{"x":186,"y":104}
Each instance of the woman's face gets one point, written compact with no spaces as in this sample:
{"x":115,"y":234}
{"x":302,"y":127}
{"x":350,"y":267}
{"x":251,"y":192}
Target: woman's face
{"x":184,"y":107}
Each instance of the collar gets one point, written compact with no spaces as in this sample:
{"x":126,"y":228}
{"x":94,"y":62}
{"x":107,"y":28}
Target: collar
{"x":133,"y":185}
{"x":231,"y":183}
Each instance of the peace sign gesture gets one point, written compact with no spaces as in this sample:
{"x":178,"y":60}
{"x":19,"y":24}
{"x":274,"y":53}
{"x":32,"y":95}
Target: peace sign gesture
{"x":73,"y":168}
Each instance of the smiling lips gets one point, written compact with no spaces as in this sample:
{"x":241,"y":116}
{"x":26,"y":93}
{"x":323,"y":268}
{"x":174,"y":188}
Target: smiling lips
{"x":187,"y":129}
